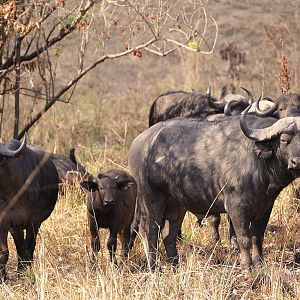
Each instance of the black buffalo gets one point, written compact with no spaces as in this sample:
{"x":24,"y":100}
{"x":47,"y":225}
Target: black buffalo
{"x":286,"y":105}
{"x":178,"y":103}
{"x":70,"y":172}
{"x":111,"y":204}
{"x":215,"y":167}
{"x":28,"y":193}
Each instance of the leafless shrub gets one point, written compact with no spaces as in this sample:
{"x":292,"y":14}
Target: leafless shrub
{"x":284,"y":75}
{"x":32,"y":34}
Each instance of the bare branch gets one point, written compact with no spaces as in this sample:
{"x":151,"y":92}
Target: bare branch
{"x":75,"y":80}
{"x":103,"y":30}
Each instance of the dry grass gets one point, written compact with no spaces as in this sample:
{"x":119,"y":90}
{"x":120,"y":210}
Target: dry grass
{"x":62,"y":268}
{"x":109,"y":109}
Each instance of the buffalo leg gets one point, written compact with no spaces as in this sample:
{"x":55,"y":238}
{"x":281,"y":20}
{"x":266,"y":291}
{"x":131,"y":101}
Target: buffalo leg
{"x":241,"y":220}
{"x":112,"y":244}
{"x":200,"y":218}
{"x":3,"y":253}
{"x":179,"y":234}
{"x":30,"y":242}
{"x":135,"y":224}
{"x":156,"y":210}
{"x":232,"y":236}
{"x":169,"y":234}
{"x":125,"y":239}
{"x":95,"y":238}
{"x":258,"y":229}
{"x":181,"y":214}
{"x":18,"y":236}
{"x":215,"y":222}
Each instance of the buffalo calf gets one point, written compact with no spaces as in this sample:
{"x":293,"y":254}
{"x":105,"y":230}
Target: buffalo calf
{"x":111,"y":204}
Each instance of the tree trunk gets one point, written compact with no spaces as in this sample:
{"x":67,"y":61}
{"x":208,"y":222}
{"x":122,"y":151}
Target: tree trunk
{"x":17,"y":89}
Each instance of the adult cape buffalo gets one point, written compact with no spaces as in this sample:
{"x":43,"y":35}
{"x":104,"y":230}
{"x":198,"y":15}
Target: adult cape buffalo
{"x":286,"y":105}
{"x":28,"y":193}
{"x":70,"y":172}
{"x":215,"y":167}
{"x":178,"y":103}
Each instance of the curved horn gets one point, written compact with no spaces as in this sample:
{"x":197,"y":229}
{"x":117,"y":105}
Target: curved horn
{"x":228,"y":106}
{"x":267,"y":112}
{"x":213,"y":103}
{"x":250,"y":99}
{"x":4,"y":151}
{"x":285,"y":124}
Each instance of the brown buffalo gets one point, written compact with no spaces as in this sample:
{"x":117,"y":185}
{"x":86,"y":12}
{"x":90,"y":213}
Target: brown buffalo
{"x":111,"y":204}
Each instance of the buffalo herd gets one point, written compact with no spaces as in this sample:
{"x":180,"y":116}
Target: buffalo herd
{"x":208,"y":156}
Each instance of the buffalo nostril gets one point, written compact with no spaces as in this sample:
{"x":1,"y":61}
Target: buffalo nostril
{"x":109,"y":202}
{"x":294,"y":163}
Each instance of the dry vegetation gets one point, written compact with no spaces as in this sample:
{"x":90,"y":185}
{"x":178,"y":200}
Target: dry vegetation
{"x":108,"y":110}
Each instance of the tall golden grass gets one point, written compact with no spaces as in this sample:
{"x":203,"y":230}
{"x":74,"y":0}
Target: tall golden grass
{"x":62,"y":268}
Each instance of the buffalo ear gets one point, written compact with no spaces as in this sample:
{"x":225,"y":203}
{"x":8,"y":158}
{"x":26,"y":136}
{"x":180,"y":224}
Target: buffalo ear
{"x":89,"y":185}
{"x":263,"y":149}
{"x":125,"y":185}
{"x":101,"y":175}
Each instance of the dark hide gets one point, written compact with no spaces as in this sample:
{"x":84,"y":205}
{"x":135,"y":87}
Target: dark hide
{"x":196,"y":163}
{"x":70,"y":172}
{"x":177,"y":103}
{"x":288,"y":105}
{"x":111,"y":204}
{"x":31,"y":207}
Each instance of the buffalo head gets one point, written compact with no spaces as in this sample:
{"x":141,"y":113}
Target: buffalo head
{"x":12,"y":149}
{"x":283,"y":135}
{"x":104,"y":190}
{"x":287,"y":105}
{"x":232,"y":104}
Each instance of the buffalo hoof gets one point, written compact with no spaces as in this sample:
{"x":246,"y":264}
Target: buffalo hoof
{"x":173,"y":260}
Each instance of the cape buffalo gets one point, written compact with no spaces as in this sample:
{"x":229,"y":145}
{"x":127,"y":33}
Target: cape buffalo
{"x":286,"y":105}
{"x":111,"y":204}
{"x":215,"y":167}
{"x":69,"y":170}
{"x":28,"y":193}
{"x":177,"y":103}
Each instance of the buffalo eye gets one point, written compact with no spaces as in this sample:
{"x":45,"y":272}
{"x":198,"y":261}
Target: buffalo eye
{"x":285,"y":138}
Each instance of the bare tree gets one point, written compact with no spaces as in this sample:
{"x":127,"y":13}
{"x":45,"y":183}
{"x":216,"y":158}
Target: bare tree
{"x":33,"y":33}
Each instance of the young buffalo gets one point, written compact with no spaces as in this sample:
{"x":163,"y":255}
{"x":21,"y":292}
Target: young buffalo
{"x":111,"y":205}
